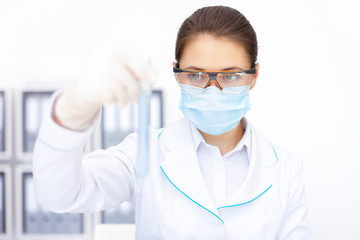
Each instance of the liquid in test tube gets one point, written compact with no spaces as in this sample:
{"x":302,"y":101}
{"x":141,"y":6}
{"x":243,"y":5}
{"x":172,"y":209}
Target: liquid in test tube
{"x":144,"y":122}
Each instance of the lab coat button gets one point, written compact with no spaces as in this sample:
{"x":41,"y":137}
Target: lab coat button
{"x":217,"y":222}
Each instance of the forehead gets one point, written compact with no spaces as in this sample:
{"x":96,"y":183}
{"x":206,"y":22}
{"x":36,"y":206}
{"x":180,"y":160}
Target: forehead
{"x":213,"y":53}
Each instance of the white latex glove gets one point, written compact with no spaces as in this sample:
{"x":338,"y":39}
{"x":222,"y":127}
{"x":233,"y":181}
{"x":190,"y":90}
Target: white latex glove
{"x":107,"y":75}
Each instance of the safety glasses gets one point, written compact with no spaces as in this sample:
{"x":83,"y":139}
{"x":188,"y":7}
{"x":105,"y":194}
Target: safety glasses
{"x":222,"y":79}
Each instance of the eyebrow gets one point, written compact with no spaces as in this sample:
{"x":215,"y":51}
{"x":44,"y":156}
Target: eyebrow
{"x":225,"y":69}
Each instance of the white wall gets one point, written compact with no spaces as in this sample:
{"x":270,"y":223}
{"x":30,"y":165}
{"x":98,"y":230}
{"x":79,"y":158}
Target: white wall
{"x":306,"y":98}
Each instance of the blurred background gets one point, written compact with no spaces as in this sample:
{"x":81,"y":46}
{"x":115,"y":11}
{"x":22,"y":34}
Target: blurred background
{"x":306,"y":98}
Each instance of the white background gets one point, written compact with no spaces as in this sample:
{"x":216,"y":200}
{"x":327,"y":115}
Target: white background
{"x":307,"y":95}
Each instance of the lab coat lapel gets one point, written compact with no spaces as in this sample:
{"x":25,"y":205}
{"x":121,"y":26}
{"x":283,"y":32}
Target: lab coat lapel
{"x":262,"y":158}
{"x":181,"y":167}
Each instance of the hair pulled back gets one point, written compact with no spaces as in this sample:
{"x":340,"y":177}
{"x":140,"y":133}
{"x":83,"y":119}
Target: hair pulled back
{"x":218,"y":21}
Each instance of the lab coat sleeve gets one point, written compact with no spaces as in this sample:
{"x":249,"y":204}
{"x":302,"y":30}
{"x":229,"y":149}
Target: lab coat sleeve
{"x":295,"y":224}
{"x":65,"y":181}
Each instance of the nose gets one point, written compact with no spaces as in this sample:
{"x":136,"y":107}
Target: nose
{"x":213,"y":82}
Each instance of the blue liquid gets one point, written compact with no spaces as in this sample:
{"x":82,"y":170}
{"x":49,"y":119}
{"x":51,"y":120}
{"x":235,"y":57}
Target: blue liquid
{"x":143,"y":148}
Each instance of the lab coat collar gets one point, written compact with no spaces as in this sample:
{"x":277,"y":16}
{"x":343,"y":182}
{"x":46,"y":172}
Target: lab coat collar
{"x":245,"y":140}
{"x":262,"y":157}
{"x":181,"y":167}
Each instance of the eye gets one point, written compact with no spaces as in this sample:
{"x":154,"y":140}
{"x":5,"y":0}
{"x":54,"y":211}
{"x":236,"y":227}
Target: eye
{"x":232,"y":77}
{"x":194,"y":76}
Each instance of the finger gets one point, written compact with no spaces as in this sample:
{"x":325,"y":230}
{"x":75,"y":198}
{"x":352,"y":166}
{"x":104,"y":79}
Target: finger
{"x":142,"y":69}
{"x":121,"y":97}
{"x":126,"y":79}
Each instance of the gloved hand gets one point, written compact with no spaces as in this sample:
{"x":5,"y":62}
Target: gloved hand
{"x":106,"y":76}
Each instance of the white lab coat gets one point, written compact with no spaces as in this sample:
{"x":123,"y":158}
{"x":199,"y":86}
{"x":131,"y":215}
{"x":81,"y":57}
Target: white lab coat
{"x":173,"y":201}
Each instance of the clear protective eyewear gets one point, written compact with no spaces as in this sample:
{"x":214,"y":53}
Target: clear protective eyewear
{"x":223,"y":79}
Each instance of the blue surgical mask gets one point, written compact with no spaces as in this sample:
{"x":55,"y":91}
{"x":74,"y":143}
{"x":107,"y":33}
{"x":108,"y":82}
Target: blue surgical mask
{"x":212,"y":110}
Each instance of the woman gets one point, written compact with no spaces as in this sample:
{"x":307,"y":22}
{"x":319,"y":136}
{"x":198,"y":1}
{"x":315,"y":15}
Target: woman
{"x":212,"y":175}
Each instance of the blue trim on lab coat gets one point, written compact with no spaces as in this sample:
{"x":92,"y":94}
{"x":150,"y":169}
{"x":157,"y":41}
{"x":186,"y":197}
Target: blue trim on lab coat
{"x":160,"y":134}
{"x":53,"y":148}
{"x":246,"y":202}
{"x":191,"y":198}
{"x":277,"y":159}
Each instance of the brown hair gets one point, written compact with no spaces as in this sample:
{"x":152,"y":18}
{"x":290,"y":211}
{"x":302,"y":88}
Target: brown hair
{"x":218,"y":21}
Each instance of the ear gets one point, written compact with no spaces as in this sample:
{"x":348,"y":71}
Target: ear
{"x":257,"y":67}
{"x":173,"y":64}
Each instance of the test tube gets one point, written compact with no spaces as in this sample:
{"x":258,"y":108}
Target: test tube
{"x":143,"y":131}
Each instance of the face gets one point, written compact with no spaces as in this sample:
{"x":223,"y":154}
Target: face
{"x":207,"y":53}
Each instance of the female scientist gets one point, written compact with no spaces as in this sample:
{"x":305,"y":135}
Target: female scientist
{"x":212,"y":175}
